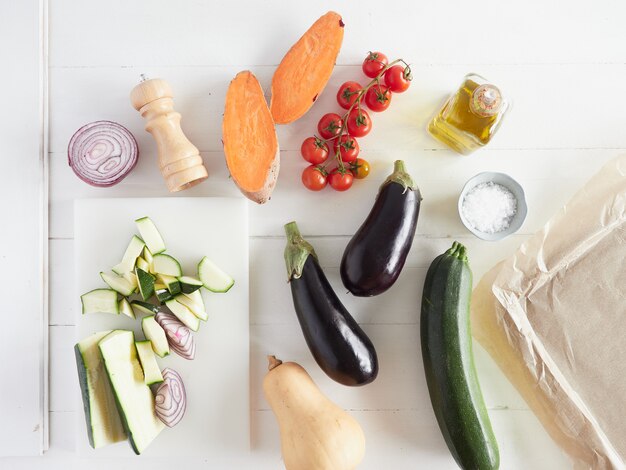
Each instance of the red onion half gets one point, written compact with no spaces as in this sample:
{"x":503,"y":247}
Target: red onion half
{"x":178,"y":335}
{"x":170,"y":400}
{"x":102,"y":153}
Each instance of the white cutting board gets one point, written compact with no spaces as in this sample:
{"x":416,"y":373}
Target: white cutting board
{"x":217,"y":420}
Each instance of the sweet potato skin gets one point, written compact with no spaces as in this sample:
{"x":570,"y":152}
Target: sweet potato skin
{"x":264,"y":194}
{"x":245,"y":87}
{"x":306,"y":68}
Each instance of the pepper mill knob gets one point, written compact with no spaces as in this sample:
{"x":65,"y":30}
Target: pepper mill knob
{"x":179,"y":160}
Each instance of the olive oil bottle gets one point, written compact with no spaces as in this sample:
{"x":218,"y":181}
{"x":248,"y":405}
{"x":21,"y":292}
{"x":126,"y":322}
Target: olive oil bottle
{"x":471,"y":116}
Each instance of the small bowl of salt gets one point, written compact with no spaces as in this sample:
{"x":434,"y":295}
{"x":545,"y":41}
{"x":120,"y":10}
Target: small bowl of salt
{"x":492,"y":206}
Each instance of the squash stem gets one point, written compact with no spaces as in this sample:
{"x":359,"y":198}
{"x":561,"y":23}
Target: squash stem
{"x":458,"y":251}
{"x":462,"y":253}
{"x":400,"y":176}
{"x":296,"y":252}
{"x":452,"y":250}
{"x":273,"y":362}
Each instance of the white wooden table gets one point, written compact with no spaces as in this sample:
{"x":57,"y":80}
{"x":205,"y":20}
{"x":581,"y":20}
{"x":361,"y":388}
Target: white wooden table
{"x":564,"y":65}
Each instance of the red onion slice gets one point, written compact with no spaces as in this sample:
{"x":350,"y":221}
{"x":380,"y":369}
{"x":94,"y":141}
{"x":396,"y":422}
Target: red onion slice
{"x":170,"y":400}
{"x":178,"y":335}
{"x":102,"y":153}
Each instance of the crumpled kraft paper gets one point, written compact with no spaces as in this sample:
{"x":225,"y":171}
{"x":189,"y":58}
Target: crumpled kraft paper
{"x":553,"y":316}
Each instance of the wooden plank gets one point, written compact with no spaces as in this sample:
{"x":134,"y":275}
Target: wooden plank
{"x":270,"y":295}
{"x":23,"y":239}
{"x":398,"y":440}
{"x":439,"y":176}
{"x":246,"y":33}
{"x":64,"y":388}
{"x":554,"y":105}
{"x":400,"y":385}
{"x":407,"y":439}
{"x":61,"y":281}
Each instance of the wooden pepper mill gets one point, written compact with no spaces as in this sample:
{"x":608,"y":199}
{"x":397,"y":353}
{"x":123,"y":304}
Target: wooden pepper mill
{"x":179,"y":160}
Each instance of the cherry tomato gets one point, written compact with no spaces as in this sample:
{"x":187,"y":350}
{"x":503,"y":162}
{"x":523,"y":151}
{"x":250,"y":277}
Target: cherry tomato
{"x":398,"y":78}
{"x":359,"y":123}
{"x":340,"y":180}
{"x":374,"y":63}
{"x":348,"y":148}
{"x":329,"y":126}
{"x":314,"y":178}
{"x":360,"y":168}
{"x":348,"y":93}
{"x":378,"y":98}
{"x":314,"y":150}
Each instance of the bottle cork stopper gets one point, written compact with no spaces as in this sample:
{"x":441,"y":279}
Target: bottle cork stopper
{"x":486,"y":100}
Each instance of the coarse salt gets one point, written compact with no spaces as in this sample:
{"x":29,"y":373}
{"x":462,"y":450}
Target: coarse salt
{"x":489,"y":207}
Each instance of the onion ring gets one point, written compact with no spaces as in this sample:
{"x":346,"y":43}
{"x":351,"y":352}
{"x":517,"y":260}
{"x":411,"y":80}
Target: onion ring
{"x":178,"y":335}
{"x":102,"y":153}
{"x":170,"y":400}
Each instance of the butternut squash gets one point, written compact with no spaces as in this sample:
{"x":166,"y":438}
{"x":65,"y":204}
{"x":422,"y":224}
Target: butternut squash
{"x":249,"y":137}
{"x":315,"y":433}
{"x":306,"y":68}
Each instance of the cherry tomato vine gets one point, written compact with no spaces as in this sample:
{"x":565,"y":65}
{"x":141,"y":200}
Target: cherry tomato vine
{"x":337,"y":134}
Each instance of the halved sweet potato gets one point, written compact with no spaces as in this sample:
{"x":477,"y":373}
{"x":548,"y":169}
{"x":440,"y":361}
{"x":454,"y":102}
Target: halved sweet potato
{"x":305,"y":69}
{"x":249,"y":136}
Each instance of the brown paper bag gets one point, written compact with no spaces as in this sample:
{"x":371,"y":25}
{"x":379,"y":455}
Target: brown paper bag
{"x":553,"y":316}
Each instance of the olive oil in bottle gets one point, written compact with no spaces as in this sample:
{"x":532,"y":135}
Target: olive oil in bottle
{"x":471,"y":116}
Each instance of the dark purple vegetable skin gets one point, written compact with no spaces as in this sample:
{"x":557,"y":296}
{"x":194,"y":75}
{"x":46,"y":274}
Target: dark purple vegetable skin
{"x":338,"y":344}
{"x":377,"y":252}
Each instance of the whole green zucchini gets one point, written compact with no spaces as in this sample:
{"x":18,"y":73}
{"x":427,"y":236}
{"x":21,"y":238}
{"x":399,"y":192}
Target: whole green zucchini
{"x":449,"y":363}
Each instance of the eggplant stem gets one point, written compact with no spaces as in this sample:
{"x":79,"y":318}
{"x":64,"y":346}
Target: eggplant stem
{"x":296,"y":252}
{"x":401,"y":177}
{"x":273,"y":362}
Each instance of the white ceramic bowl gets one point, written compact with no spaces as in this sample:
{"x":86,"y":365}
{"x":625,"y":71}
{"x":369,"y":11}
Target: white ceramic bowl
{"x":511,"y":185}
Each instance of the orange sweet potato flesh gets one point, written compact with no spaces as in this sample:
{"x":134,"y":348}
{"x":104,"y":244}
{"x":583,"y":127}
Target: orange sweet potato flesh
{"x":306,"y":68}
{"x":249,"y":136}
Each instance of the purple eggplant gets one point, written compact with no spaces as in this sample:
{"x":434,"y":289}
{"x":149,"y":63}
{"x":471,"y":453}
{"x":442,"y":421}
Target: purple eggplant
{"x":377,"y":252}
{"x":338,"y":344}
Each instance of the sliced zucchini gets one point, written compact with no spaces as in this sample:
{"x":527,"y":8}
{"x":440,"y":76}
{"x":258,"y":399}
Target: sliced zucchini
{"x":132,"y":278}
{"x":118,"y":283}
{"x":151,"y":372}
{"x":156,"y":335}
{"x":134,"y":249}
{"x":104,"y":425}
{"x":166,"y":264}
{"x":134,"y":398}
{"x":147,"y":255}
{"x":212,"y":277}
{"x":100,"y":300}
{"x":184,"y":314}
{"x":196,"y":309}
{"x":146,"y":283}
{"x":172,"y":283}
{"x":142,"y":264}
{"x":163,"y":295}
{"x":144,"y":307}
{"x":126,"y":309}
{"x":189,"y":284}
{"x":196,"y":296}
{"x":151,"y":235}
